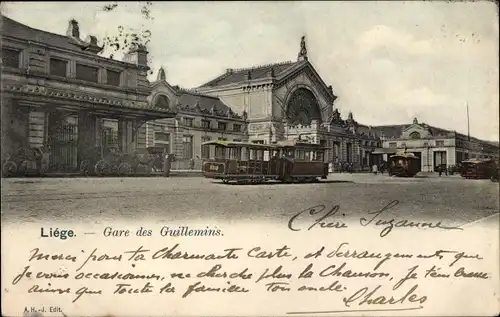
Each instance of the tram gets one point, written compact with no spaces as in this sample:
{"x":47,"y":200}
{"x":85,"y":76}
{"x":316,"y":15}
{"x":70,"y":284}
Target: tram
{"x":285,"y":161}
{"x":404,"y":164}
{"x":479,"y":169}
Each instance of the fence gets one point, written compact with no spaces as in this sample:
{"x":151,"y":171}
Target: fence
{"x":183,"y":164}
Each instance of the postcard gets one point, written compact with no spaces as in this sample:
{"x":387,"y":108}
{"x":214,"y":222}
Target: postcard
{"x":250,"y":158}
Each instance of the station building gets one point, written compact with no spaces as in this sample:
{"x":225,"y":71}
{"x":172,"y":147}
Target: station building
{"x":59,"y":95}
{"x":433,"y":146}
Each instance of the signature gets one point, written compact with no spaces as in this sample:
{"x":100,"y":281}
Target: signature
{"x":322,"y":217}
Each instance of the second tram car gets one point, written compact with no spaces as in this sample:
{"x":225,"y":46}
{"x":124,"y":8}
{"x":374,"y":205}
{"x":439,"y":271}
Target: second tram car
{"x":404,"y":164}
{"x":286,"y":161}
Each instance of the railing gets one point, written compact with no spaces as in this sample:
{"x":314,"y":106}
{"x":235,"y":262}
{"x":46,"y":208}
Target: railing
{"x":183,"y":164}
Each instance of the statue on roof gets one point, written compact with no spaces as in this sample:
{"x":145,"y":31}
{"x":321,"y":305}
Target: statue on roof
{"x":415,"y":121}
{"x":161,"y":75}
{"x":73,"y":29}
{"x":303,"y":50}
{"x":336,"y":118}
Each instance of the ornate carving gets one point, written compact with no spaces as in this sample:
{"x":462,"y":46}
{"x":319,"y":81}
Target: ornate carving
{"x":161,"y":75}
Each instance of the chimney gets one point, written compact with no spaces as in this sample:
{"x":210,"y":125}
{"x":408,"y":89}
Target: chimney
{"x":137,"y":55}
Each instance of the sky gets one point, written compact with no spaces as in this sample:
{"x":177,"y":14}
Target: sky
{"x":388,"y":62}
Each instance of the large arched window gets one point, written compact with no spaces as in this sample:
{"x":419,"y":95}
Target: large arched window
{"x":302,"y":108}
{"x":415,"y":135}
{"x":161,"y":101}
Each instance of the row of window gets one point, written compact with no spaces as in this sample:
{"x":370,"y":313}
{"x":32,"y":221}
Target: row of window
{"x":59,"y":67}
{"x":425,"y":144}
{"x":162,"y":139}
{"x":207,"y":124}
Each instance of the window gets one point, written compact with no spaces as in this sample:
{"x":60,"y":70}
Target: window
{"x":237,"y":140}
{"x":439,"y":143}
{"x":393,"y":145}
{"x":237,"y":127}
{"x":113,"y":78}
{"x":188,"y":122}
{"x":10,"y":58}
{"x":415,"y":135}
{"x":426,"y":144}
{"x":205,"y":124}
{"x":221,"y":126}
{"x":87,"y":73}
{"x":162,"y":140}
{"x":235,"y":153}
{"x":258,"y":141}
{"x":58,"y":67}
{"x":187,"y":141}
{"x":222,"y":139}
{"x":205,"y":149}
{"x":220,"y":152}
{"x":403,"y":144}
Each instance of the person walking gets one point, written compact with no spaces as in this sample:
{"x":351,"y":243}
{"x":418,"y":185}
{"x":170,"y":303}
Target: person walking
{"x":375,"y":169}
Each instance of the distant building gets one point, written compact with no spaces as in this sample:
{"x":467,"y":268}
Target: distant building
{"x":59,"y":95}
{"x":433,"y":146}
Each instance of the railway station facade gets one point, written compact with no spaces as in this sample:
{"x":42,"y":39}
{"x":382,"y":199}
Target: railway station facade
{"x":60,"y":95}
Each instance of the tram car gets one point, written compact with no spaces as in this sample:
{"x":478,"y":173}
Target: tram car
{"x":404,"y":165}
{"x":479,"y":169}
{"x":241,"y":162}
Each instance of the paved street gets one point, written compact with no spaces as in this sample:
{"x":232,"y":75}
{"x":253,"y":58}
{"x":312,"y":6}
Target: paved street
{"x":99,"y":200}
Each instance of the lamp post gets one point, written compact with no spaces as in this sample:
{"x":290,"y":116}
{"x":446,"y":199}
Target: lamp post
{"x":429,"y":165}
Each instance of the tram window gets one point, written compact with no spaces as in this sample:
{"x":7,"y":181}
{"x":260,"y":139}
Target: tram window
{"x":267,"y":155}
{"x":307,"y":155}
{"x":300,"y":154}
{"x":275,"y":154}
{"x":235,"y":153}
{"x":319,"y":156}
{"x":220,"y":152}
{"x":289,"y":153}
{"x":252,"y":153}
{"x":244,"y":153}
{"x":260,"y":155}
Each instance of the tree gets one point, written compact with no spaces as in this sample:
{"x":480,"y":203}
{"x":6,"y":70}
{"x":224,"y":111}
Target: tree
{"x":126,"y":38}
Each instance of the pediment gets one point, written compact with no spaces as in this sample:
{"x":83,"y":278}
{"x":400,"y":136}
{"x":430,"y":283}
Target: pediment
{"x":416,"y":131}
{"x":307,"y":69}
{"x":163,"y":94}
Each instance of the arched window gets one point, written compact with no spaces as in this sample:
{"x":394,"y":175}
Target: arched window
{"x":162,"y":101}
{"x":415,"y":135}
{"x":302,"y":108}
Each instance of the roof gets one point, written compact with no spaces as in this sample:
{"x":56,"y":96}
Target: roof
{"x":395,"y":131}
{"x":206,"y":103}
{"x":18,"y":30}
{"x":384,"y":151}
{"x":235,"y":143}
{"x":477,"y":161}
{"x":279,"y":144}
{"x":405,"y":155}
{"x":235,"y":76}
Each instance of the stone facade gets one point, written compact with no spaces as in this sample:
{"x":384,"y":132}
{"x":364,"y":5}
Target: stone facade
{"x":60,"y":96}
{"x":434,"y":146}
{"x":199,"y":118}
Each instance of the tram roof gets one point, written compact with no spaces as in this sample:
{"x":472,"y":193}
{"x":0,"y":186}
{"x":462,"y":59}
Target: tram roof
{"x":278,"y":144}
{"x":405,"y":155}
{"x":477,"y":161}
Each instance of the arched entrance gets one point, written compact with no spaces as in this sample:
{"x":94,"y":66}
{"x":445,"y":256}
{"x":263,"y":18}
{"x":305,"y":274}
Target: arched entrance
{"x":302,"y":108}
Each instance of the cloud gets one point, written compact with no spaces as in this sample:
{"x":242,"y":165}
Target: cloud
{"x":393,"y":39}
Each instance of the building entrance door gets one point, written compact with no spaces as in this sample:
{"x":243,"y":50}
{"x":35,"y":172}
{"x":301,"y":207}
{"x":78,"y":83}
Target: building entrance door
{"x":63,"y":141}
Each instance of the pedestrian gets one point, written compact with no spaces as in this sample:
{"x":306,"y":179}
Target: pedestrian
{"x":375,"y":169}
{"x":191,"y":164}
{"x":446,"y":170}
{"x":440,"y":171}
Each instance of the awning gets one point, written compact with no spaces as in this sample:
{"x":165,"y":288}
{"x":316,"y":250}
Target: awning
{"x":384,"y":151}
